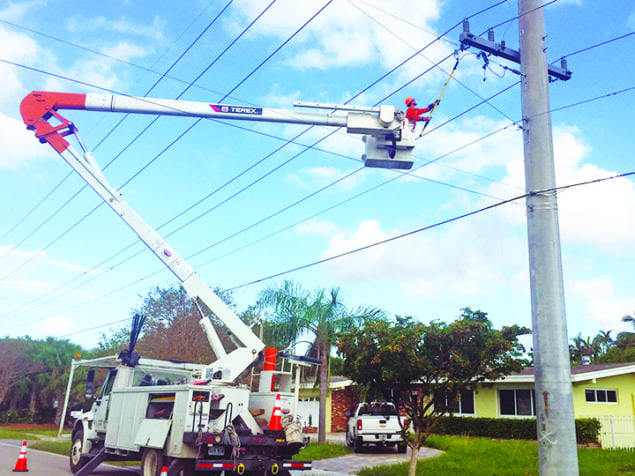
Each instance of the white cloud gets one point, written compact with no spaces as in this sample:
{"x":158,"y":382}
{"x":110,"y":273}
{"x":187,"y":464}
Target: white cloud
{"x":32,"y":268}
{"x":601,"y":307}
{"x":17,"y":11}
{"x":20,"y":49}
{"x":153,"y":31}
{"x":591,"y":215}
{"x":19,"y":146}
{"x":317,"y":227}
{"x":348,"y":33}
{"x":466,"y":258}
{"x":53,"y":326}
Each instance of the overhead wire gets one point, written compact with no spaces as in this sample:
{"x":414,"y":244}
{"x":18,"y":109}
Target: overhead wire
{"x":428,"y":227}
{"x":457,"y":25}
{"x":161,"y":76}
{"x":556,"y":109}
{"x":362,"y":193}
{"x":225,"y":96}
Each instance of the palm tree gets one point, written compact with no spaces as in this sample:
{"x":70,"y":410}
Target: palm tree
{"x":630,"y":319}
{"x":321,"y":313}
{"x":602,"y":343}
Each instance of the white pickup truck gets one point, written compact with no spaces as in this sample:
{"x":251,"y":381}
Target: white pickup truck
{"x":375,"y":423}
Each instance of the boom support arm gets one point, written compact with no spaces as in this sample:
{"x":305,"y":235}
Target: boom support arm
{"x":389,"y":143}
{"x":383,"y":128}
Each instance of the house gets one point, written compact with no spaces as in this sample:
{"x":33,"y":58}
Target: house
{"x":602,"y":391}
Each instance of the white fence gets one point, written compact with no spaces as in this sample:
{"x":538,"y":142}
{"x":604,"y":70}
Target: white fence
{"x":617,"y":431}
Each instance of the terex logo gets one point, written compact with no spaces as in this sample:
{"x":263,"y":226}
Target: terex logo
{"x":236,"y":109}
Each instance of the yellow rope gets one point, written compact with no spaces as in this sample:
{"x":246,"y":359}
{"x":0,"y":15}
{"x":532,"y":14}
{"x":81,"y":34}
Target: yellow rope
{"x":438,"y":99}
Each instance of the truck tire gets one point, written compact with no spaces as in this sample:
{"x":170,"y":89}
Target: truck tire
{"x":401,"y":447}
{"x":349,"y":440}
{"x":358,"y":446}
{"x":151,"y":462}
{"x":77,"y":460}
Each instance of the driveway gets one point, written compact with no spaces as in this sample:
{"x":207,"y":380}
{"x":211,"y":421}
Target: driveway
{"x":352,"y":463}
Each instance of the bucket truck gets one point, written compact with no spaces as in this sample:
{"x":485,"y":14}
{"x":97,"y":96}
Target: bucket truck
{"x":191,"y":417}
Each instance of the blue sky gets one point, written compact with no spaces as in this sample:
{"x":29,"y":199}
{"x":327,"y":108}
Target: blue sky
{"x":62,"y":268}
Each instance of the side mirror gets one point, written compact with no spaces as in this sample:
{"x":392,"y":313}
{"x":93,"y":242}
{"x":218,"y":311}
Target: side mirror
{"x":90,"y":384}
{"x":348,"y":414}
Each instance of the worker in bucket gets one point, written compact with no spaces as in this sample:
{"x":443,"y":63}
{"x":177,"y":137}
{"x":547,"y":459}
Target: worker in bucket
{"x":413,"y":113}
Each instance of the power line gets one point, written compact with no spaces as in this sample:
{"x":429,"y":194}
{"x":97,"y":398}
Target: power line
{"x":600,"y":44}
{"x":428,"y":227}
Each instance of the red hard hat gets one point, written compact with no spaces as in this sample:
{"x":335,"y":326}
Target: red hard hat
{"x":409,"y":100}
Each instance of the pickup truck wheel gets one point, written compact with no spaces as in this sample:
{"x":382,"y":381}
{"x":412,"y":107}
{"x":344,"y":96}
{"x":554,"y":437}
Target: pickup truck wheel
{"x":349,"y":440}
{"x":401,"y":447}
{"x":152,"y":462}
{"x":77,"y":460}
{"x":358,"y":446}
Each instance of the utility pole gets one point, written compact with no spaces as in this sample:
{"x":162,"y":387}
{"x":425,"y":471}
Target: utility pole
{"x":557,"y":450}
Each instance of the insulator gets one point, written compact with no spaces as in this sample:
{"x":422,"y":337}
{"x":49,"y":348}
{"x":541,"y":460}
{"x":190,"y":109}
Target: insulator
{"x":466,"y":25}
{"x":563,"y":62}
{"x":490,"y":35}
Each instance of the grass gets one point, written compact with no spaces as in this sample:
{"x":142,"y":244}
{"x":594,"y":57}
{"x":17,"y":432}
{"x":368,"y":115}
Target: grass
{"x":314,"y":451}
{"x":27,"y":432}
{"x":60,"y":447}
{"x":481,"y":456}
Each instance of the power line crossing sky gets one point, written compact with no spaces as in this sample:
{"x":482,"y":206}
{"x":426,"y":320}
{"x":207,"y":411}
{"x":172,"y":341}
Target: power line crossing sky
{"x":255,"y":200}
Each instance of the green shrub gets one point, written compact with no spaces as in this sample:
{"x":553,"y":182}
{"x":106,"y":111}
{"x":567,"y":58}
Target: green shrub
{"x":587,"y":429}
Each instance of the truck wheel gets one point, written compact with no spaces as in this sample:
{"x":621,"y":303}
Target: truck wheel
{"x":401,"y":447}
{"x":76,"y":458}
{"x":151,"y":462}
{"x":349,"y":440}
{"x":358,"y":446}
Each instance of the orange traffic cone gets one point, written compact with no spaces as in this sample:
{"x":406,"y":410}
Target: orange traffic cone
{"x":20,"y":466}
{"x":164,"y":471}
{"x":275,"y":423}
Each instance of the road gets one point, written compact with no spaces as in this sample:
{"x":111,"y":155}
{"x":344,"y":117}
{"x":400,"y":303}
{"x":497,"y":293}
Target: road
{"x":49,"y":464}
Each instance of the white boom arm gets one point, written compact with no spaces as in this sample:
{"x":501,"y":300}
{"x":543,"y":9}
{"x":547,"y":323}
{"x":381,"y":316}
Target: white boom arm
{"x":383,"y":127}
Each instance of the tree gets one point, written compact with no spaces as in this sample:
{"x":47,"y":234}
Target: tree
{"x":294,"y":311}
{"x":172,"y":330}
{"x":55,"y":356}
{"x":410,"y":363}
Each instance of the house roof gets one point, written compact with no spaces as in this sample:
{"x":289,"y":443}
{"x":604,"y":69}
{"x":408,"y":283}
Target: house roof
{"x":579,"y":373}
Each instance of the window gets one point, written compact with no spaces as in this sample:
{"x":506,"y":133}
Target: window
{"x":517,"y":402}
{"x":463,"y":405}
{"x":599,"y":395}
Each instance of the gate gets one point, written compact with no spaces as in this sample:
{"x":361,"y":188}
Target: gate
{"x":617,"y":431}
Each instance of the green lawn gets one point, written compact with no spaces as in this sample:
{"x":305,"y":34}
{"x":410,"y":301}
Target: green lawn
{"x":481,"y":456}
{"x":314,"y":452}
{"x":27,"y":432}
